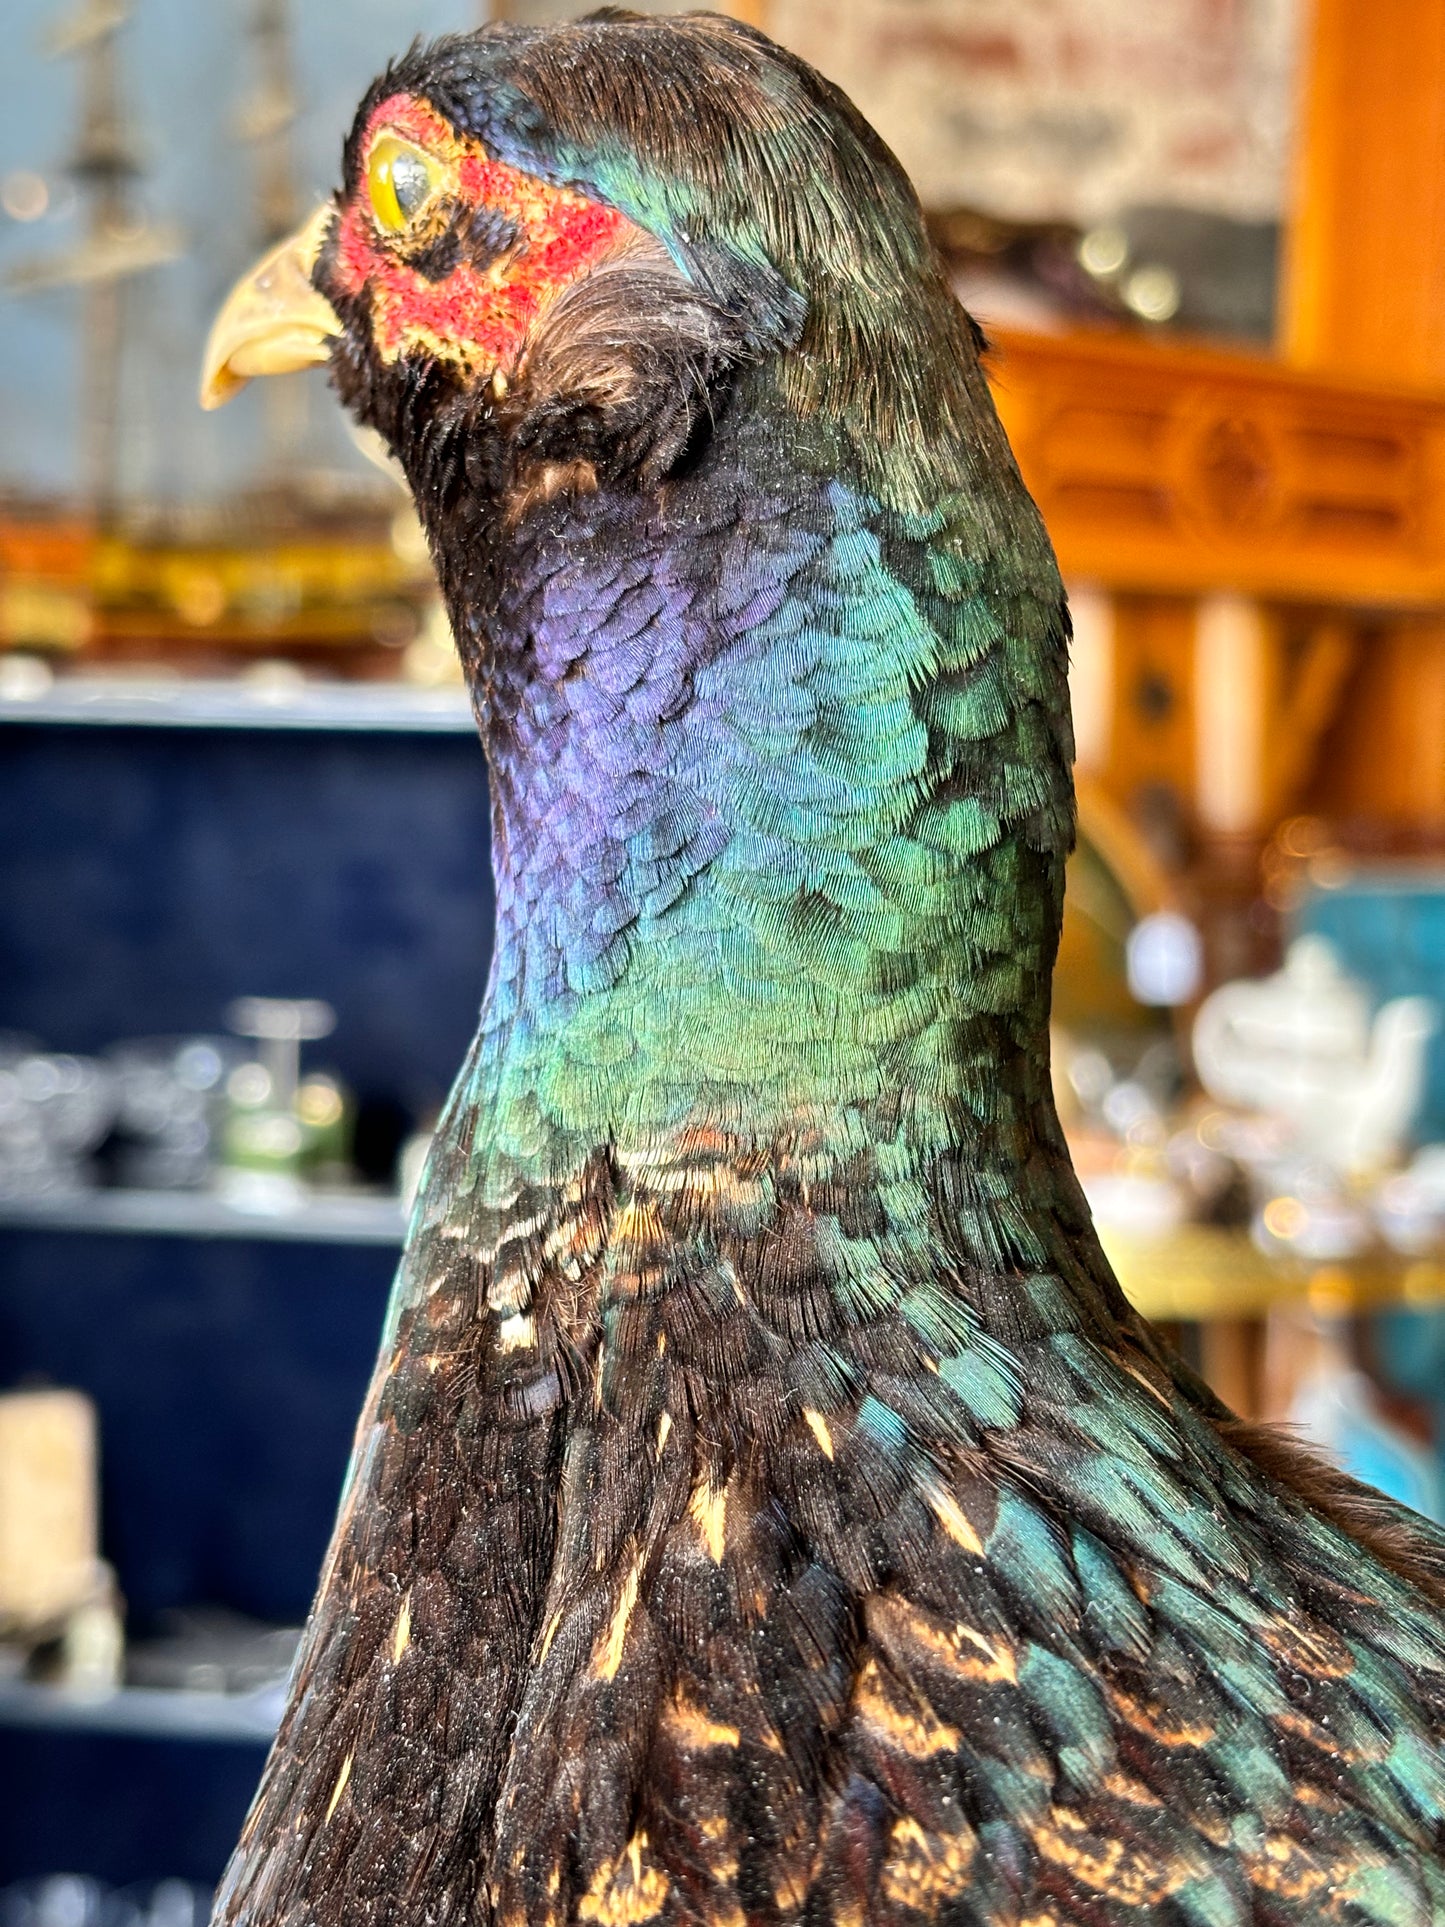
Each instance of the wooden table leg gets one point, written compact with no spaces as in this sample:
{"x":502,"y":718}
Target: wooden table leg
{"x":1231,"y":1353}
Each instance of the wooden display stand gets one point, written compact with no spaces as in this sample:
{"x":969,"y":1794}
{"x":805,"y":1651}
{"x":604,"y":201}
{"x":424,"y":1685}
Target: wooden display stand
{"x":1257,"y":548}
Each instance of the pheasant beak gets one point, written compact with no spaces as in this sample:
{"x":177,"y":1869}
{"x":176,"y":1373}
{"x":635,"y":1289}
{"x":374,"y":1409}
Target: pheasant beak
{"x":273,"y":320}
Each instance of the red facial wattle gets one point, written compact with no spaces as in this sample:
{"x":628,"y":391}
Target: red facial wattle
{"x":477,"y":317}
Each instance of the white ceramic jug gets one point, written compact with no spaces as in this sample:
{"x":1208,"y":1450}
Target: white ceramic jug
{"x":1302,"y":1046}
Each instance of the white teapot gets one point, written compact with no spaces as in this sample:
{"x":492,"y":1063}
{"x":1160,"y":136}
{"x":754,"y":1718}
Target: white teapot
{"x":1302,"y":1046}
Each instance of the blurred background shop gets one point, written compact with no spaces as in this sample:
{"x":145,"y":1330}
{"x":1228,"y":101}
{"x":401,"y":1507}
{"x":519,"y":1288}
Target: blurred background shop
{"x":244,"y":894}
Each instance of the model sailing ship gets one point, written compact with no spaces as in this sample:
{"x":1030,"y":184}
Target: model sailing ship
{"x":291,"y":565}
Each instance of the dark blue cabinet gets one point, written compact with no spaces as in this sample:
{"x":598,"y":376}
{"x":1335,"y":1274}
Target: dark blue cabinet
{"x":163,"y":853}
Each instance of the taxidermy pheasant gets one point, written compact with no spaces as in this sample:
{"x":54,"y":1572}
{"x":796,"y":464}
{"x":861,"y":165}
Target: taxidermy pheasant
{"x":767,"y":1508}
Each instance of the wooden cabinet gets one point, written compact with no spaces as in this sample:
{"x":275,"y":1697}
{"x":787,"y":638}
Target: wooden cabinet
{"x":1262,"y":554}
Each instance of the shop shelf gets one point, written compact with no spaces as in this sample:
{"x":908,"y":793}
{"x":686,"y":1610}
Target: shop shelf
{"x":343,"y":1219}
{"x":211,"y":703}
{"x":144,"y":1712}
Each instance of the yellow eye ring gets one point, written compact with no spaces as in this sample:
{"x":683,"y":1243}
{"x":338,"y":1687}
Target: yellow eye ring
{"x":400,"y":179}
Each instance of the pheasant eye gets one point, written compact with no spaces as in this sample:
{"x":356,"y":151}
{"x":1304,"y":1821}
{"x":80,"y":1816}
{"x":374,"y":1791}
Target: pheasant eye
{"x":400,"y":180}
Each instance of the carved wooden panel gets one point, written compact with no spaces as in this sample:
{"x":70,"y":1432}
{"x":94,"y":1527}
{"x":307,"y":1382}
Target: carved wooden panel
{"x":1185,"y":468}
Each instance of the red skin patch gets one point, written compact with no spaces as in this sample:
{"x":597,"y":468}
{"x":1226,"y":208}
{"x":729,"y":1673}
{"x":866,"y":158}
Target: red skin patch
{"x":478,"y":321}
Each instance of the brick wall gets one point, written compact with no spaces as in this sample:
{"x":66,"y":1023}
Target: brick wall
{"x":1068,"y":107}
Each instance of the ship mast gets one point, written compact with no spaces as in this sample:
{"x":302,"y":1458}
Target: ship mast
{"x":117,"y":242}
{"x":266,"y":120}
{"x":104,"y":163}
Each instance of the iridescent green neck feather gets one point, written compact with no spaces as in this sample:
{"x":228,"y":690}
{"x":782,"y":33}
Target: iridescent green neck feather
{"x":782,"y":806}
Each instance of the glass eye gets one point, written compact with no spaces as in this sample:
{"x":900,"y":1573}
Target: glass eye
{"x":400,"y":180}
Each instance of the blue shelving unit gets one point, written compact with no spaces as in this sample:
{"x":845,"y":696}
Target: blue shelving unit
{"x":169,"y":846}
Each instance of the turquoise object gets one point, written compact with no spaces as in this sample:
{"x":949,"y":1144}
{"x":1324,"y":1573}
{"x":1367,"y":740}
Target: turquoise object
{"x":1388,"y":926}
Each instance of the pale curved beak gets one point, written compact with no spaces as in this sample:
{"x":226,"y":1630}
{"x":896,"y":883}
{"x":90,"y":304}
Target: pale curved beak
{"x":273,"y":320}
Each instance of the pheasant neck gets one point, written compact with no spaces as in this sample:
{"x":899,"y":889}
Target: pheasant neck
{"x":754,"y":742}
